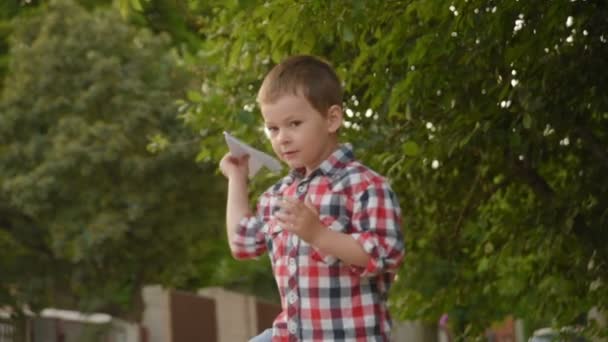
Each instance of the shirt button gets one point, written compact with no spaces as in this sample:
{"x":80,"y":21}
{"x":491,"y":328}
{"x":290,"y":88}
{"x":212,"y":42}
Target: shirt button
{"x":292,"y":265}
{"x":292,"y":326}
{"x":302,"y":188}
{"x":292,"y":297}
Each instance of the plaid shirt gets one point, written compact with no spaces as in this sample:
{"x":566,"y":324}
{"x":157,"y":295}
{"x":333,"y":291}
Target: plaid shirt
{"x":323,"y":298}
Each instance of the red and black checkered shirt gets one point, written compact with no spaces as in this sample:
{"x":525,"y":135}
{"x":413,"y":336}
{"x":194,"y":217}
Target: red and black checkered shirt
{"x":323,"y":298}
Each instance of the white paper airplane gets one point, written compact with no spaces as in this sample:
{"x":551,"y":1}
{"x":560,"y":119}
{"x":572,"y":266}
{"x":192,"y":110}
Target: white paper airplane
{"x":257,"y":158}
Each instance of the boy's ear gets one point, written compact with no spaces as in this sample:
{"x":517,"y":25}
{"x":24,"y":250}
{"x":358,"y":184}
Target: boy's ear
{"x":334,"y":118}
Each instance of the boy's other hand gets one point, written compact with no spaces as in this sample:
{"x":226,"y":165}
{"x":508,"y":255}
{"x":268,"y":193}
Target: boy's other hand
{"x":235,"y":167}
{"x":300,"y":218}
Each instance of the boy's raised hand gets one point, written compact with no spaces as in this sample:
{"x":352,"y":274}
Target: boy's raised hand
{"x":300,"y":218}
{"x":235,"y":167}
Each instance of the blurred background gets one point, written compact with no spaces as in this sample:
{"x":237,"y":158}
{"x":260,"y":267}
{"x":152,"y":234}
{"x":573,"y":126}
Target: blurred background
{"x":489,"y":118}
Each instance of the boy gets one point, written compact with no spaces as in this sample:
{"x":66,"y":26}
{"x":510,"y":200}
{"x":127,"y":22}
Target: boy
{"x":331,"y":226}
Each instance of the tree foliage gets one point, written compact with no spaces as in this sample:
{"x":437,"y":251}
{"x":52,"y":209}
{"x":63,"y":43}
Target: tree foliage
{"x":87,"y":213}
{"x":488,"y":117}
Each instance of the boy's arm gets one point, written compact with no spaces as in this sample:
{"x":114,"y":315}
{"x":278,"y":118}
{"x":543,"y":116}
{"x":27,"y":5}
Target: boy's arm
{"x":342,"y":246}
{"x":375,"y":246}
{"x":237,"y":207}
{"x":376,"y":223}
{"x":237,"y":203}
{"x":303,"y":220}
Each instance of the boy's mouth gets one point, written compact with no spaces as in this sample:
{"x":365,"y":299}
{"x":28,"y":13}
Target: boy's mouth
{"x":289,"y":154}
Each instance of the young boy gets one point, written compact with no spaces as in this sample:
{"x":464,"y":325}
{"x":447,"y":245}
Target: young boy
{"x":331,"y":226}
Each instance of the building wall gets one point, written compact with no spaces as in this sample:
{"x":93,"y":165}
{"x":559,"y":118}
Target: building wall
{"x":414,"y":331}
{"x":156,"y":315}
{"x":212,"y":315}
{"x":193,"y":318}
{"x":236,"y":314}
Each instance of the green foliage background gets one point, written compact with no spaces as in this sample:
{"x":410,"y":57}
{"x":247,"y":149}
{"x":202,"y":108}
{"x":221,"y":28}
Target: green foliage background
{"x":88,"y":213}
{"x":489,"y":118}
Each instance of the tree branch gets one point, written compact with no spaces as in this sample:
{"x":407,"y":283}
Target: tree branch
{"x":470,"y":204}
{"x":14,"y":223}
{"x":523,"y":170}
{"x":467,"y":205}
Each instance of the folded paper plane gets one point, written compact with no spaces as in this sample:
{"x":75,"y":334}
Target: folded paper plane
{"x":257,"y":158}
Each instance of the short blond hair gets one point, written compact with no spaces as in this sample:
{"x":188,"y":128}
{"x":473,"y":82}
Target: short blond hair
{"x":304,"y":75}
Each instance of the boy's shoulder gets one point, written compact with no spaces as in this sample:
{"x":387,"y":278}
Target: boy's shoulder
{"x":358,"y":172}
{"x":343,"y":165}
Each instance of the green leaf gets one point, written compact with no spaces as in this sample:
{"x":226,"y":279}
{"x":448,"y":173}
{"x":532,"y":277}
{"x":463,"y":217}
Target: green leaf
{"x":411,"y":149}
{"x":136,"y":5}
{"x":235,"y":53}
{"x":246,"y":118}
{"x":347,"y":34}
{"x":483,"y":265}
{"x":527,"y":121}
{"x":203,"y":155}
{"x":194,"y":96}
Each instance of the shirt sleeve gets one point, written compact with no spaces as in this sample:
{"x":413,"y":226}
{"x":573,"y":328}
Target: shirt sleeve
{"x":377,"y":228}
{"x":249,"y":241}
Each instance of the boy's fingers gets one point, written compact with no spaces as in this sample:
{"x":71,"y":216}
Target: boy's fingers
{"x":237,"y":160}
{"x":288,"y":203}
{"x":310,"y":205}
{"x":289,"y":200}
{"x":285,"y":221}
{"x":279,"y":217}
{"x":294,"y":203}
{"x":283,"y":216}
{"x":281,"y":222}
{"x":232,"y":158}
{"x":283,"y":204}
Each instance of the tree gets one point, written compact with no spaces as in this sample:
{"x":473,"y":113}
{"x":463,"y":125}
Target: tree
{"x":8,"y":9}
{"x":87,"y":213}
{"x":489,"y":119}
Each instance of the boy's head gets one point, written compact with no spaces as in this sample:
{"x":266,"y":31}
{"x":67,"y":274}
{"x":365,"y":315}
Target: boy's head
{"x":301,"y":102}
{"x":306,"y":76}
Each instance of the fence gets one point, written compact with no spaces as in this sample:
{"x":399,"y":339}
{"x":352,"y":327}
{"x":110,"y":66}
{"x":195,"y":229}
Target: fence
{"x":7,"y":331}
{"x":211,"y":315}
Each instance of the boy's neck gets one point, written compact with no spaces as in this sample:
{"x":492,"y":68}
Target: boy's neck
{"x":332,"y":145}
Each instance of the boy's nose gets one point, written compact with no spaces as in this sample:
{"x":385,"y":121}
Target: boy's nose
{"x":283,"y":137}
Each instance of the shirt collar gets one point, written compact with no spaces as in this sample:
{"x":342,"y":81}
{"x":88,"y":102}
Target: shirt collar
{"x":330,"y":166}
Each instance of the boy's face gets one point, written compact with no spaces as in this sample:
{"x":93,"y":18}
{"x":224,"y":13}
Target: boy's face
{"x":300,"y":135}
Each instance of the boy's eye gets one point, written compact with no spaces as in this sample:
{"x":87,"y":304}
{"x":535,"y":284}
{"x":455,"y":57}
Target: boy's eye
{"x":271,"y":129}
{"x":295,"y":123}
